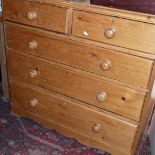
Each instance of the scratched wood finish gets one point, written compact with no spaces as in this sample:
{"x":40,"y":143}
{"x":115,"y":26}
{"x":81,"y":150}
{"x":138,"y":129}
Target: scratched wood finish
{"x":129,"y":34}
{"x":126,"y":68}
{"x":82,"y":87}
{"x":47,"y":16}
{"x":75,"y":116}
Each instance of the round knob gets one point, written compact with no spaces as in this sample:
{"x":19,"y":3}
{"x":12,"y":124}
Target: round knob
{"x":33,"y":44}
{"x":105,"y":65}
{"x":110,"y":33}
{"x":33,"y":102}
{"x":96,"y":128}
{"x":33,"y":73}
{"x":31,"y":15}
{"x":101,"y":97}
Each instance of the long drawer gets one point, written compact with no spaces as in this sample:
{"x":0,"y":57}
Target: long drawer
{"x":113,"y":30}
{"x":36,"y":14}
{"x":109,"y":96}
{"x":98,"y":125}
{"x":122,"y":67}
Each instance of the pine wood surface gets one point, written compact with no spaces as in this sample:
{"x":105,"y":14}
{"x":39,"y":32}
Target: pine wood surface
{"x":101,"y":10}
{"x":128,"y":33}
{"x":83,"y":40}
{"x":87,"y":140}
{"x":146,"y":114}
{"x":125,"y":68}
{"x":89,"y":74}
{"x":78,"y":86}
{"x":47,"y":17}
{"x":66,"y":60}
{"x":75,"y":116}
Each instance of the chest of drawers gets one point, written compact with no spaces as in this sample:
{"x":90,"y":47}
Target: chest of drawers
{"x":83,"y":70}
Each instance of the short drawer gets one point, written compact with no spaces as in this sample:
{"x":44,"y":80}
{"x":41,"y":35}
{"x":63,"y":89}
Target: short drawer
{"x":122,"y":67}
{"x":115,"y":98}
{"x":36,"y":14}
{"x":113,"y":30}
{"x":97,"y":125}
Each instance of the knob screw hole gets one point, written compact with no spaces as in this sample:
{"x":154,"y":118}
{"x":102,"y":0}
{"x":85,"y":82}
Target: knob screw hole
{"x":123,"y":98}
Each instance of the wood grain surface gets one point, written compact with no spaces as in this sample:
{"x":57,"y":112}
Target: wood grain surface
{"x":70,"y":114}
{"x":56,"y":52}
{"x":48,"y":17}
{"x":125,"y":68}
{"x":130,"y":34}
{"x":81,"y":87}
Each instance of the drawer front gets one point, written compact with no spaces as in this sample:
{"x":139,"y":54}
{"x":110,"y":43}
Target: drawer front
{"x":39,"y":15}
{"x":84,"y":120}
{"x":115,"y":98}
{"x":116,"y":31}
{"x":122,"y":67}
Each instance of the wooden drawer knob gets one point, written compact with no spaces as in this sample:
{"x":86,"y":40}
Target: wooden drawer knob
{"x":33,"y":44}
{"x":110,"y":33}
{"x":33,"y":102}
{"x":33,"y":73}
{"x":31,"y":15}
{"x":101,"y":97}
{"x":96,"y":128}
{"x":106,"y":65}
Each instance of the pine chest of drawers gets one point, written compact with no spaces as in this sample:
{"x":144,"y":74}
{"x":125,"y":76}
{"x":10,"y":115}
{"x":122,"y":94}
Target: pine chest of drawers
{"x":85,"y":71}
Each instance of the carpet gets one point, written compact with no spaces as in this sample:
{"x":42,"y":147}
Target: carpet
{"x":21,"y":136}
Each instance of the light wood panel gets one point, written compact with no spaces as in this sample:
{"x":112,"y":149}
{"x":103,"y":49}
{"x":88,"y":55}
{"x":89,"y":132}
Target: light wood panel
{"x":125,"y":68}
{"x":129,"y":34}
{"x":102,"y":10}
{"x":147,"y":113}
{"x":87,"y":140}
{"x":120,"y":100}
{"x":86,"y":41}
{"x":78,"y":117}
{"x":44,"y":16}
